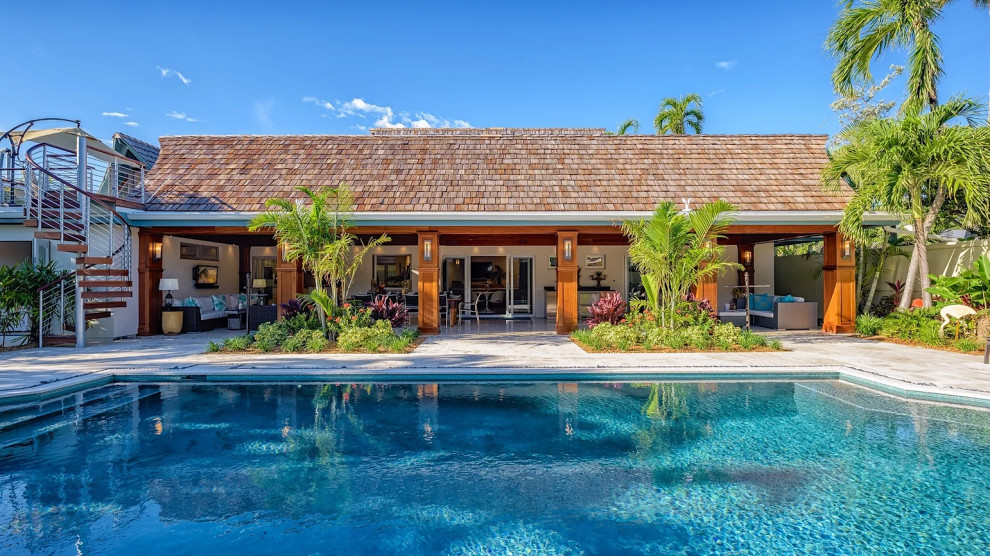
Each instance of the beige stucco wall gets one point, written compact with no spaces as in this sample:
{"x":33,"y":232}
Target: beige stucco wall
{"x":801,"y":276}
{"x":182,"y":269}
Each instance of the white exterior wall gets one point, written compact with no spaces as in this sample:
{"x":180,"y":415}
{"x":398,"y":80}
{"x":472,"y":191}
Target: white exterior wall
{"x":182,"y":269}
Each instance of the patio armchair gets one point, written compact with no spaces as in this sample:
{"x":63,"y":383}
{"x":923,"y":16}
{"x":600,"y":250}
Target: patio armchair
{"x":496,"y":303}
{"x":412,"y":306}
{"x":471,"y":307}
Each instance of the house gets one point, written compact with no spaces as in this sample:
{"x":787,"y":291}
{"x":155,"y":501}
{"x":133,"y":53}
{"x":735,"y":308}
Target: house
{"x":524,"y":221}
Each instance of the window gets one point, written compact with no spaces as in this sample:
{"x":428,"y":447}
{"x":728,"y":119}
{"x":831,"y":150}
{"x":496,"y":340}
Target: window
{"x":393,"y":271}
{"x":199,"y":252}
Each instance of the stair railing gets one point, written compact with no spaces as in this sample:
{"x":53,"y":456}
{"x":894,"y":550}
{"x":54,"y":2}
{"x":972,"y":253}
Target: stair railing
{"x":57,"y":307}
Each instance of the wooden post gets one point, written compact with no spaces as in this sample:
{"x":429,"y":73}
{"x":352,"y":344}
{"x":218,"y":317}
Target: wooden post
{"x":567,"y":282}
{"x":707,"y":288}
{"x":840,"y":284}
{"x":429,"y":282}
{"x":149,"y":273}
{"x":288,"y":279}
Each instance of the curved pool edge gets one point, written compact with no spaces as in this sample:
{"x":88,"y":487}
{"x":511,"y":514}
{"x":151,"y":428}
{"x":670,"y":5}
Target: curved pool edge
{"x":859,"y":377}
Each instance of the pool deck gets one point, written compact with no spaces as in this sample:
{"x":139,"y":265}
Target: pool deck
{"x":521,"y":349}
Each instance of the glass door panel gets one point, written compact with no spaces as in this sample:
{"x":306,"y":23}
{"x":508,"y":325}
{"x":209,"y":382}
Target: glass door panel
{"x":520,"y":286}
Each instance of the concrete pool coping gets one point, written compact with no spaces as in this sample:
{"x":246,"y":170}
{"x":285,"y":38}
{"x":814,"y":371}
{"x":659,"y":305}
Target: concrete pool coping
{"x":858,"y":377}
{"x":516,"y":351}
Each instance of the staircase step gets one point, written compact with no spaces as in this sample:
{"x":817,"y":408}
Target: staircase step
{"x":97,"y":315}
{"x":101,"y":271}
{"x":104,"y":304}
{"x":93,"y":260}
{"x":67,"y":248}
{"x":116,"y":294}
{"x":106,"y":283}
{"x":60,"y":236}
{"x":60,"y":340}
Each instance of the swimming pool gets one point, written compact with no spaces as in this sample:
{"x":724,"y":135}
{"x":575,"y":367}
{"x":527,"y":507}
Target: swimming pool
{"x":556,"y":468}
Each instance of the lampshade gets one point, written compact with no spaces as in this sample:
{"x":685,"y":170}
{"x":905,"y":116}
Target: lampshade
{"x":259,"y":283}
{"x":168,"y":284}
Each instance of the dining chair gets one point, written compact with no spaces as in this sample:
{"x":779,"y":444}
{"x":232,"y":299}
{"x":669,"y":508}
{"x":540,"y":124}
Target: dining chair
{"x":469,"y":307}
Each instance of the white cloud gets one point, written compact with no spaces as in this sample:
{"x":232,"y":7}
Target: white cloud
{"x":318,"y":102}
{"x":132,"y":124}
{"x":167,"y":72}
{"x":386,"y":116}
{"x":726,"y":64}
{"x":263,"y":112}
{"x":716,"y":92}
{"x":114,"y":114}
{"x":180,"y":116}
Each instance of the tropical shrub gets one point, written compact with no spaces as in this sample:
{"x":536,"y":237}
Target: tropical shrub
{"x":749,"y":340}
{"x":350,"y":316}
{"x":295,"y":307}
{"x":968,"y":344}
{"x":375,"y":338}
{"x":19,"y":285}
{"x":971,"y":287}
{"x":608,"y":335}
{"x":236,"y":343}
{"x":312,"y":341}
{"x":271,"y":335}
{"x":676,"y":250}
{"x":868,"y":325}
{"x":610,"y":308}
{"x":725,"y":335}
{"x":384,"y":308}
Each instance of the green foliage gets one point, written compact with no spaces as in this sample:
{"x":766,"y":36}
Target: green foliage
{"x":350,"y":316}
{"x":271,"y":335}
{"x":676,"y":115}
{"x":376,"y":337}
{"x":620,"y":336}
{"x":971,"y":287}
{"x":236,"y":343}
{"x":868,"y":325}
{"x":625,"y":128}
{"x":749,"y":340}
{"x":917,"y":325}
{"x":214,"y":347}
{"x":696,"y":337}
{"x":776,"y":345}
{"x":316,"y":233}
{"x":310,"y":340}
{"x":969,"y":344}
{"x":725,"y":335}
{"x":674,"y":250}
{"x":19,"y":285}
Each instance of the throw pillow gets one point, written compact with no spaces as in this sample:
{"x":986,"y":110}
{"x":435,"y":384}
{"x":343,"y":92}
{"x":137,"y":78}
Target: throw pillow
{"x":763,"y":302}
{"x":219,"y":302}
{"x":787,"y":299}
{"x":188,"y":302}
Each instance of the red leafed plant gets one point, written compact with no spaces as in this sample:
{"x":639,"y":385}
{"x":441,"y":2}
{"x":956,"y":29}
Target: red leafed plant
{"x":610,"y":308}
{"x":384,"y":308}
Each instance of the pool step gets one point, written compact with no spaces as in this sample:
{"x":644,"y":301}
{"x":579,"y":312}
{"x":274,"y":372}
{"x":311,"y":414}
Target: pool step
{"x":23,"y":423}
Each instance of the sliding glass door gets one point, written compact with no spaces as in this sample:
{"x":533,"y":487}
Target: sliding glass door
{"x":520,"y":286}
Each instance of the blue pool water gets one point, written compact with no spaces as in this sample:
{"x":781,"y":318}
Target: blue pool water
{"x":544,"y":468}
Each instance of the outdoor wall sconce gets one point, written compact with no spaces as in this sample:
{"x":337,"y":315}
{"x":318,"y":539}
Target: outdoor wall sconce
{"x":568,"y":250}
{"x":156,"y":251}
{"x":747,"y":257}
{"x":427,"y":250}
{"x":847,"y":246}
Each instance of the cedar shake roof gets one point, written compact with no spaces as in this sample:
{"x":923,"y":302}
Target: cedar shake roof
{"x":492,"y":170}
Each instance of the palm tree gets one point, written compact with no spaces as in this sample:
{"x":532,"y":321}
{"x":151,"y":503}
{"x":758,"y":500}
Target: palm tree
{"x":626,"y":128}
{"x":866,"y":29}
{"x":316,"y":233}
{"x":884,"y":247}
{"x":676,"y":115}
{"x":675,"y":250}
{"x":909,"y":166}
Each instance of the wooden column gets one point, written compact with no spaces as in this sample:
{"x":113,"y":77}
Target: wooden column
{"x":149,"y":273}
{"x":840,"y":284}
{"x":243,"y":268}
{"x":708,"y":289}
{"x":567,"y":282}
{"x":429,"y":282}
{"x":288,"y":279}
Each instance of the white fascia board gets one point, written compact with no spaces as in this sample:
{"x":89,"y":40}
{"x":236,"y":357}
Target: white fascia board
{"x":506,"y":218}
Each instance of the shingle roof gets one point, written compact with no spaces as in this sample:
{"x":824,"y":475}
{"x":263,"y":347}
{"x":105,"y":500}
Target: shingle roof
{"x":494,"y":170}
{"x":145,"y":153}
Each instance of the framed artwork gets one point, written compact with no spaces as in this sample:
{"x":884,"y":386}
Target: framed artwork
{"x":553,"y":261}
{"x":199,"y":252}
{"x":594,"y":261}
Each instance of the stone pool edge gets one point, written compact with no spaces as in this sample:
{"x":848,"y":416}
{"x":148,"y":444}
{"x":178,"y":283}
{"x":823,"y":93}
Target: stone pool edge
{"x":859,"y":377}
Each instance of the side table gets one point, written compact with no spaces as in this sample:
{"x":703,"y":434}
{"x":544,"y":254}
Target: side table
{"x":171,"y":321}
{"x":235,"y":319}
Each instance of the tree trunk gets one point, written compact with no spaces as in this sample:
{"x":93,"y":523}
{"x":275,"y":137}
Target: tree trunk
{"x":926,"y":298}
{"x":912,"y":271}
{"x":925,"y":228}
{"x":876,"y":279}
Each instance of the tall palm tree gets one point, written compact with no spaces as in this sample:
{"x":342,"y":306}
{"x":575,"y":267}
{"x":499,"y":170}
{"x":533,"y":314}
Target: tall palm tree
{"x":675,"y":250}
{"x":866,"y":29}
{"x":626,"y":128}
{"x":678,"y":114}
{"x":909,"y":166}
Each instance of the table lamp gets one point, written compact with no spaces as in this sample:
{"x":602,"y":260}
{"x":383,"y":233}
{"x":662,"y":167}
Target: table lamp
{"x":168,"y":285}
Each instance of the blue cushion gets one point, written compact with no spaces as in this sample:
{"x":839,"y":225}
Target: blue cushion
{"x":219,"y":302}
{"x":761,"y":302}
{"x":786,"y":299}
{"x":188,"y":302}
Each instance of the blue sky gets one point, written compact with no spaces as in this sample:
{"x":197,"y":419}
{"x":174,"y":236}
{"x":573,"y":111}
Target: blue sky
{"x":246,"y":67}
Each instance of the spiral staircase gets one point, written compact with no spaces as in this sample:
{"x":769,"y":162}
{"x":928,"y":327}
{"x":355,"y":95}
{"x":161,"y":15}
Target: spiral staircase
{"x":70,"y":198}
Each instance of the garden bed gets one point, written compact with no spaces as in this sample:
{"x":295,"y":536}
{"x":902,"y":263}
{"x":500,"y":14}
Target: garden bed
{"x":408,"y":348}
{"x":953,"y":347}
{"x":641,"y":349}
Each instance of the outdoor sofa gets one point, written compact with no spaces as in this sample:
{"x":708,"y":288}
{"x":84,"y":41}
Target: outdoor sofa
{"x":783,"y":312}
